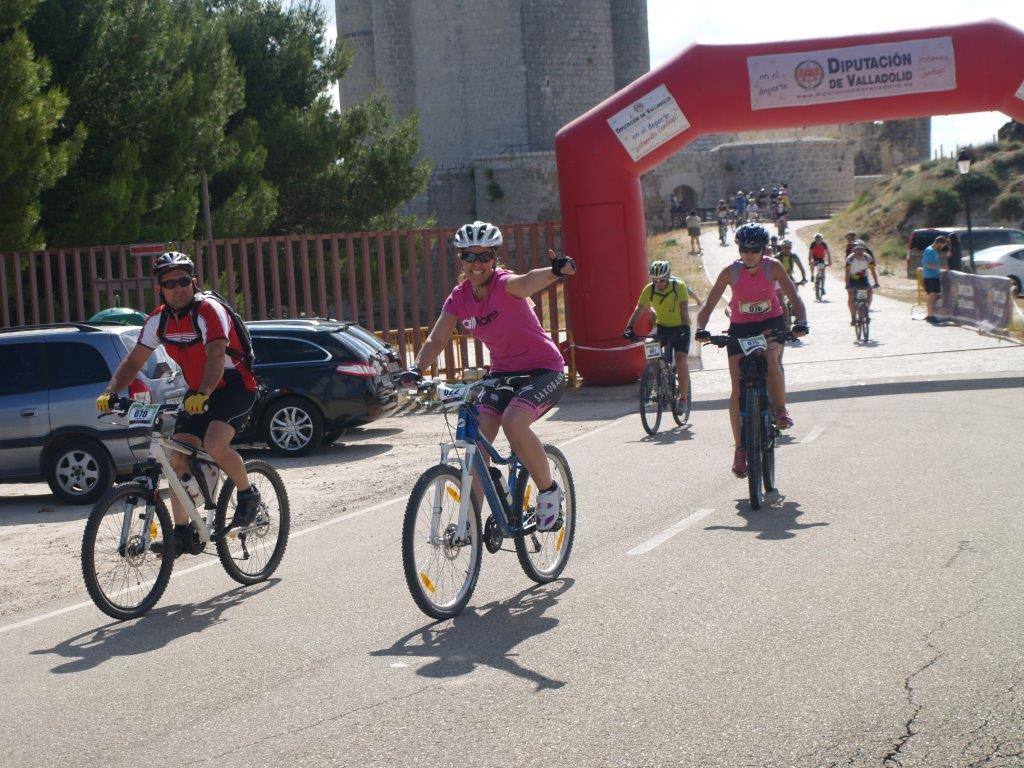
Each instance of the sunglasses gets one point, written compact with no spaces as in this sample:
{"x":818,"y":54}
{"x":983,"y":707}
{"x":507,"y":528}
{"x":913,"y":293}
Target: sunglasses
{"x":469,"y":256}
{"x":750,"y":250}
{"x":181,"y":282}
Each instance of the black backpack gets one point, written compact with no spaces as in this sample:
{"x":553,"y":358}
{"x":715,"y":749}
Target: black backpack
{"x":246,"y":355}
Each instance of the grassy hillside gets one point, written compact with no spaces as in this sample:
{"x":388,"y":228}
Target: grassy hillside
{"x":929,"y":194}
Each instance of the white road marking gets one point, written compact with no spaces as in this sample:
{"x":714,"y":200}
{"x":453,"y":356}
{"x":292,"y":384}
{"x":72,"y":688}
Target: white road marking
{"x":815,"y":433}
{"x":296,"y":535}
{"x":668,"y":533}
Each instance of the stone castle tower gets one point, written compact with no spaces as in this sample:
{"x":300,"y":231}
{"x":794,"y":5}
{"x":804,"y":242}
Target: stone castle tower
{"x":493,"y":80}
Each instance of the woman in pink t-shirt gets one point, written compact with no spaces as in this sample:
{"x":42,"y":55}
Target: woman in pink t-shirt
{"x":755,"y":309}
{"x":527,"y":369}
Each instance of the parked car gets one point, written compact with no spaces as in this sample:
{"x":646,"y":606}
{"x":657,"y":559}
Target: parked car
{"x":980,"y":238}
{"x":1002,"y":261}
{"x":50,"y":376}
{"x":316,"y":381}
{"x":387,"y":354}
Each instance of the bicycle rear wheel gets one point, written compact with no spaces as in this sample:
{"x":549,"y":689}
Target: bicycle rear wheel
{"x":543,"y":554}
{"x":252,"y":554}
{"x":440,"y":571}
{"x":683,"y":416}
{"x":819,"y":287}
{"x":650,"y":399}
{"x":752,"y":445}
{"x":126,"y":581}
{"x":865,"y":323}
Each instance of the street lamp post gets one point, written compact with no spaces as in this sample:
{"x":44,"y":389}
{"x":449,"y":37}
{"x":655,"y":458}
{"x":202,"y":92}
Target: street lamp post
{"x":963,"y":165}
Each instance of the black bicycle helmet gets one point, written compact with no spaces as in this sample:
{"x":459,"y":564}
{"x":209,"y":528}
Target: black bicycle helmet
{"x":752,"y":236}
{"x":172,"y":260}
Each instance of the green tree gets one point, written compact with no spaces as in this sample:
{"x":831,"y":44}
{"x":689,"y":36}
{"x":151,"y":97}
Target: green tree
{"x":331,"y":171}
{"x":154,"y":85}
{"x":30,"y":110}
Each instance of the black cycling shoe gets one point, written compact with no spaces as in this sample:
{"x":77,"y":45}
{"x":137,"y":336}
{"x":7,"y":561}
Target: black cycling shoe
{"x":247,"y":508}
{"x":181,"y":537}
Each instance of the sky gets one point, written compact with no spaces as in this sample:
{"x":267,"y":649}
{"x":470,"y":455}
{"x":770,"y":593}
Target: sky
{"x":675,"y":24}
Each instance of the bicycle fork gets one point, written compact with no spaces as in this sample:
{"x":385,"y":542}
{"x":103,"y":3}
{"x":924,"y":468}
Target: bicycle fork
{"x":465,"y":463}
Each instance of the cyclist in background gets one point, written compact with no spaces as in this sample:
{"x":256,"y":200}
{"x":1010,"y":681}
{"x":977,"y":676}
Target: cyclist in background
{"x":527,"y":374}
{"x":722,"y":215}
{"x":858,"y":264}
{"x":198,"y":334}
{"x":755,"y":310}
{"x":788,"y":260}
{"x":820,"y":256}
{"x":670,"y":299}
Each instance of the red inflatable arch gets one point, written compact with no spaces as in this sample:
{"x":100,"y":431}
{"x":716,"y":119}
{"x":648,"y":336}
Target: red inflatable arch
{"x":712,"y":89}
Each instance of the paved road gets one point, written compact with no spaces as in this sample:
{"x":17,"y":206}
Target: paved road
{"x":869,"y":616}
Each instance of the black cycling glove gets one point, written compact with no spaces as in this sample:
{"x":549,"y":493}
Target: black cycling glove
{"x":557,"y":265}
{"x":629,"y":333}
{"x":412,"y":376}
{"x":702,"y":335}
{"x":802,"y":327}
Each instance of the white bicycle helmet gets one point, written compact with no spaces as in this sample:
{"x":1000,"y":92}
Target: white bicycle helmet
{"x":479,"y":233}
{"x":659,"y":270}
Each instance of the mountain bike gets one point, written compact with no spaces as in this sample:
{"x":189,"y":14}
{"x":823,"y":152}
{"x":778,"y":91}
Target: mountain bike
{"x":442,"y":538}
{"x":819,"y":281}
{"x":124,"y":576}
{"x":862,"y":321}
{"x":723,"y":231}
{"x":758,"y":432}
{"x":659,"y":389}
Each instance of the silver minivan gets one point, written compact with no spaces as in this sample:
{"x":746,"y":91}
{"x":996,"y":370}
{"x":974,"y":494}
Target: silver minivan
{"x":50,"y":377}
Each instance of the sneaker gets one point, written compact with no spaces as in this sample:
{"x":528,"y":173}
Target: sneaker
{"x":681,"y":404}
{"x":181,"y":533}
{"x":739,"y":463}
{"x":782,"y":419}
{"x":246,"y":509}
{"x":549,"y":505}
{"x":931,"y":319}
{"x":853,"y":321}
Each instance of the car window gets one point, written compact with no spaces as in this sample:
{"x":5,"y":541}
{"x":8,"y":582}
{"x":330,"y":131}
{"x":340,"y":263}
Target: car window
{"x":272,"y":350}
{"x":22,"y":369}
{"x":982,"y":240}
{"x":74,"y":364}
{"x":1018,"y":255}
{"x":365,"y":336}
{"x":355,"y":345}
{"x":131,"y":338}
{"x":1017,"y":238}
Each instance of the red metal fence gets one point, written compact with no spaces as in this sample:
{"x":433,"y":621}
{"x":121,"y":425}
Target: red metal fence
{"x":392,"y":282}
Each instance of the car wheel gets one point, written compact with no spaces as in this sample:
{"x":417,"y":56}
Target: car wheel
{"x":1015,"y":288}
{"x":293,"y":426}
{"x":78,"y":470}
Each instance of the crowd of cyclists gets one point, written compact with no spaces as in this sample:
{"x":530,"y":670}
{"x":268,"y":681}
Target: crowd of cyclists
{"x":493,"y":304}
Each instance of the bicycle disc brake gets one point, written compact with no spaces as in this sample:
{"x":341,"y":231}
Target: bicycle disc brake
{"x":492,"y":535}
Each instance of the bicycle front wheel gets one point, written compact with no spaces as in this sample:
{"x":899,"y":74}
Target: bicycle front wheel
{"x":123,"y":576}
{"x":252,"y":554}
{"x":819,"y":288}
{"x":768,"y":434}
{"x":865,"y":320}
{"x":650,"y":399}
{"x":441,"y":569}
{"x":752,"y":445}
{"x":543,"y":554}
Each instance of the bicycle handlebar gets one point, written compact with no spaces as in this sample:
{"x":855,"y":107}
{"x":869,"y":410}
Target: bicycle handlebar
{"x":722,"y":340}
{"x":122,"y":404}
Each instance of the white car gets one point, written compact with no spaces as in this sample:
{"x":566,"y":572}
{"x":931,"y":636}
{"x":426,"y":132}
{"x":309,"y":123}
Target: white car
{"x":1002,"y":261}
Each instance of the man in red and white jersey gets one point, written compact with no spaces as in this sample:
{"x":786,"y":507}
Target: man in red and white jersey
{"x":198,"y":333}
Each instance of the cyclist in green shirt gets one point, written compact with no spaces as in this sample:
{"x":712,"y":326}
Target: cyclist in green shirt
{"x":669,"y":298}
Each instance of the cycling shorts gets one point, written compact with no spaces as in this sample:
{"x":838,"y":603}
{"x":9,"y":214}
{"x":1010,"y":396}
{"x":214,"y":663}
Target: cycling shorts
{"x":532,"y":391}
{"x":230,"y":404}
{"x":857,"y":282}
{"x":746,"y":330}
{"x":932,"y":285}
{"x":676,"y":337}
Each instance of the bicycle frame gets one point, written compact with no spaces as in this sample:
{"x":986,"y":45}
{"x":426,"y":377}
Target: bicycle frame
{"x":473,"y":445}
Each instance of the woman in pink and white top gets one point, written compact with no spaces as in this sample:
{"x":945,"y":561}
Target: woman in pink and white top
{"x":755,"y":309}
{"x":493,"y":304}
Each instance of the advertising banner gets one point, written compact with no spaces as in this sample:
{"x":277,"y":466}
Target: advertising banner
{"x":649,"y":122}
{"x":846,"y":74}
{"x":982,"y":301}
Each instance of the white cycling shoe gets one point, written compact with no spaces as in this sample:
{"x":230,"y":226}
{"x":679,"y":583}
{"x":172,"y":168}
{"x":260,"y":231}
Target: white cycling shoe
{"x":549,"y":504}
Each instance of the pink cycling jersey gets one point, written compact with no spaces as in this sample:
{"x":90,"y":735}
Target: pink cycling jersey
{"x":507,"y":325}
{"x":753,"y":296}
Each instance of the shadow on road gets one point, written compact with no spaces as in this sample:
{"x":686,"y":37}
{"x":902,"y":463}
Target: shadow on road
{"x":777,"y":519}
{"x":668,"y":436}
{"x":156,"y":629}
{"x":881,"y":389}
{"x":485,"y":636}
{"x":339,"y":452}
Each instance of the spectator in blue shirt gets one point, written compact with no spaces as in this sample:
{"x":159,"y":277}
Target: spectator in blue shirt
{"x":931,"y":264}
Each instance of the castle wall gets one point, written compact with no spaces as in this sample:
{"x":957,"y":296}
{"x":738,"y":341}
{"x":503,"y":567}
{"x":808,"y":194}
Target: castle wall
{"x":355,"y":29}
{"x":632,"y":50}
{"x":517,"y":188}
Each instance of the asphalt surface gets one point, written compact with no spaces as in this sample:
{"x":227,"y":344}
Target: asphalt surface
{"x":869,"y":615}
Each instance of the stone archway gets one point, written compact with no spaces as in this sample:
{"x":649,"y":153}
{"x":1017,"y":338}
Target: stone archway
{"x":602,"y":154}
